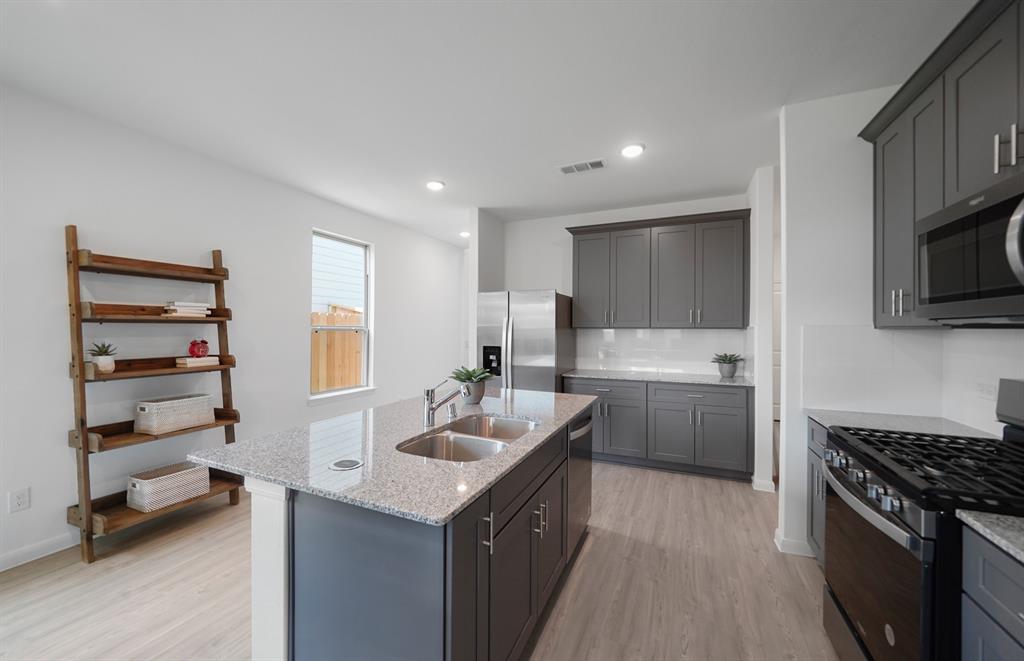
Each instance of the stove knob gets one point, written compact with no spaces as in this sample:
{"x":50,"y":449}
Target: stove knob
{"x":839,"y":460}
{"x":892,"y":503}
{"x":875,"y":491}
{"x":829,"y":453}
{"x":858,"y":475}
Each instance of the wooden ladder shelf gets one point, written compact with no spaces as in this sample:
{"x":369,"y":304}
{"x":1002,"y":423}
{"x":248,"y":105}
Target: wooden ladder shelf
{"x":109,"y":514}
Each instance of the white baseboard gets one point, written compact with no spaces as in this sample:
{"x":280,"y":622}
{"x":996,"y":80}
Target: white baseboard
{"x":39,"y":549}
{"x":763,"y":485}
{"x":792,"y":546}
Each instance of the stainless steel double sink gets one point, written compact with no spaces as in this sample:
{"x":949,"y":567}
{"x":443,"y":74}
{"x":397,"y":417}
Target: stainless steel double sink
{"x":468,"y":439}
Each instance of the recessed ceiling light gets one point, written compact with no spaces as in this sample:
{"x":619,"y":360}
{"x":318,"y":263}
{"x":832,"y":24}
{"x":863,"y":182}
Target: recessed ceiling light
{"x":435,"y":185}
{"x":464,"y":235}
{"x":632,"y":151}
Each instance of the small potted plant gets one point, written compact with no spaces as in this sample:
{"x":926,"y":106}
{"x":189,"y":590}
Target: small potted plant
{"x":727,"y":363}
{"x":103,"y":356}
{"x":473,"y":378}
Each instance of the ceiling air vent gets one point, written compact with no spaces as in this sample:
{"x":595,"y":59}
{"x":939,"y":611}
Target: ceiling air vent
{"x":585,"y":166}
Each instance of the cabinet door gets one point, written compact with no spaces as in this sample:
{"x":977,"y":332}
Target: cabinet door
{"x":553,"y":540}
{"x":513,"y":607}
{"x":468,"y":567}
{"x":981,"y":92}
{"x":600,"y":431}
{"x":626,"y":427}
{"x":672,"y":276}
{"x":720,"y":274}
{"x":721,"y":437}
{"x":815,"y":534}
{"x":670,"y":435}
{"x":818,"y":520}
{"x":631,"y":278}
{"x":894,"y":219}
{"x":591,"y":280}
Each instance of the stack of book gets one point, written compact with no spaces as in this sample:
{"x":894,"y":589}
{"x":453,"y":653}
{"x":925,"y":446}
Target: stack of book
{"x":185,"y":309}
{"x":188,"y":361}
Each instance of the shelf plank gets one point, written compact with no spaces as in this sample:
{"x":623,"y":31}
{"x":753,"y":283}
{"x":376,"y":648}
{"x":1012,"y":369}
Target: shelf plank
{"x":111,"y":513}
{"x":117,"y":435}
{"x":143,"y":314}
{"x":89,"y":261}
{"x":138,"y":368}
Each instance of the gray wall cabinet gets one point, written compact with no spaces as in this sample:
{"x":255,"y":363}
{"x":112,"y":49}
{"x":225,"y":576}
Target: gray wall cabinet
{"x":982,"y":103}
{"x":472,"y":589}
{"x":694,"y":428}
{"x":591,"y":280}
{"x":948,"y":134}
{"x":630,"y":278}
{"x":683,"y":272}
{"x":721,"y":275}
{"x":673,"y":290}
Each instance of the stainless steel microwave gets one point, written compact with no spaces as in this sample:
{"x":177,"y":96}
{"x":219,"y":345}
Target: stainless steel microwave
{"x":970,"y":260}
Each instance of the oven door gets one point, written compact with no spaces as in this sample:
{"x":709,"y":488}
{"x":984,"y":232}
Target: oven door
{"x":970,"y":260}
{"x":879,"y":572}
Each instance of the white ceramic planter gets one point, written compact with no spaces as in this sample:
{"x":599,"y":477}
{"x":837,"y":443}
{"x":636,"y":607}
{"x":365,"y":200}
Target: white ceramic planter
{"x":104,"y":364}
{"x":476,"y":392}
{"x":727,"y":370}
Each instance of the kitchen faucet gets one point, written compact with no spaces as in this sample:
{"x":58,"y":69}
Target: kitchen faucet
{"x":430,"y":405}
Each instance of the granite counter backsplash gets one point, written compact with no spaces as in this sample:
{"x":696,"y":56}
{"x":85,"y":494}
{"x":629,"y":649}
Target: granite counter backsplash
{"x":660,"y":376}
{"x":430,"y":491}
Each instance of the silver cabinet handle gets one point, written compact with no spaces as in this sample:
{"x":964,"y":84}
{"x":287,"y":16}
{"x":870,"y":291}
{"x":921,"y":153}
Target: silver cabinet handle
{"x":698,"y":316}
{"x":540,"y":515}
{"x":490,"y":533}
{"x":546,"y":508}
{"x":698,"y":417}
{"x":901,"y":302}
{"x":613,"y":316}
{"x":696,"y":396}
{"x":691,"y":315}
{"x":892,"y":302}
{"x":1013,"y":144}
{"x":603,"y":389}
{"x":606,"y":317}
{"x":691,"y":415}
{"x":995,"y":154}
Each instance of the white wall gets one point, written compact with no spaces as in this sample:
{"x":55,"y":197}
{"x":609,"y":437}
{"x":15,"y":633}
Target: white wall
{"x":973,"y":361}
{"x":134,"y":195}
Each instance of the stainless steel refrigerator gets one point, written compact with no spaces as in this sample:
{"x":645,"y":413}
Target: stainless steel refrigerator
{"x":526,"y":338}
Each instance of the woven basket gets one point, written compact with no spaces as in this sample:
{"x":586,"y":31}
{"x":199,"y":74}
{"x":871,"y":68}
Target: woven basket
{"x":167,"y":414}
{"x":161,"y":487}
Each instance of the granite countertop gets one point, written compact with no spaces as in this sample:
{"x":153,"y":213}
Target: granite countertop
{"x":430,"y":491}
{"x":661,"y":376}
{"x":909,"y":423}
{"x":1006,"y":532}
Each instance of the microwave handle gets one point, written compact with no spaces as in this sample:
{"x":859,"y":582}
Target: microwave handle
{"x":1015,"y":242}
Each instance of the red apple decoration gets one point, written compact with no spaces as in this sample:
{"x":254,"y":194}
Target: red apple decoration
{"x":198,"y":348}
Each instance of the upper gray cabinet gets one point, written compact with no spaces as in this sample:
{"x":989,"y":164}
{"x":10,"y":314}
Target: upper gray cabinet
{"x":947,"y":135}
{"x":591,"y":279}
{"x":630,"y":278}
{"x":982,"y":116}
{"x":685,"y":272}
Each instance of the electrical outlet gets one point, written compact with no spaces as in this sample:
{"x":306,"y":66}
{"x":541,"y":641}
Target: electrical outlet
{"x":19,"y":500}
{"x":987,"y":391}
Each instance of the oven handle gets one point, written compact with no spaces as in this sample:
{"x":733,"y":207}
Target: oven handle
{"x":890,"y":529}
{"x":1015,"y":242}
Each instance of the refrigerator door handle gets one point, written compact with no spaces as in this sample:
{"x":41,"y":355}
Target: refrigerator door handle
{"x":511,"y":351}
{"x":505,"y":363}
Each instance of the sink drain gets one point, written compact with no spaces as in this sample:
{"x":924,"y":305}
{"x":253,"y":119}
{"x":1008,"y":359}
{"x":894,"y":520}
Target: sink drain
{"x":345,"y":465}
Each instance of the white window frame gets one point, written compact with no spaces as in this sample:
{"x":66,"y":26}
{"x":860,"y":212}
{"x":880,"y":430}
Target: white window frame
{"x":367,"y":327}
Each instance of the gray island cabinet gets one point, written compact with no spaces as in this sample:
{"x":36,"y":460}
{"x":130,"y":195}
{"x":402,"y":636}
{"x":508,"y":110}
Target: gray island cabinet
{"x":408,"y":557}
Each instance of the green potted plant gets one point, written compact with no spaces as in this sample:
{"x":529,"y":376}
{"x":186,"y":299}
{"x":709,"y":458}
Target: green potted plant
{"x":473,"y":378}
{"x":727,"y":363}
{"x":103,"y":356}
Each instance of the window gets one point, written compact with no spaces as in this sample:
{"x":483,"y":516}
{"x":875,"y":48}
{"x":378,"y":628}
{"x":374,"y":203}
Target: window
{"x":339,"y":328}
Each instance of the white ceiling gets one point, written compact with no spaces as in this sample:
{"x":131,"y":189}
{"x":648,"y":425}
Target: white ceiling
{"x":362,"y":103}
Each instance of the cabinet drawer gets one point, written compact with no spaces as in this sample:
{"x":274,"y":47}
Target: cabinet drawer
{"x":665,"y":392}
{"x":509,"y":494}
{"x":617,"y":389}
{"x":982,"y":639}
{"x":995,"y":581}
{"x":817,"y":437}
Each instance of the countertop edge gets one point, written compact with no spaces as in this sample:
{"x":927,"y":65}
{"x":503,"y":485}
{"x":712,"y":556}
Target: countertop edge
{"x":817,"y":414}
{"x":976,"y":521}
{"x":641,"y":377}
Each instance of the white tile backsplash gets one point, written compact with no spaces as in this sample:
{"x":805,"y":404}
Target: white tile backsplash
{"x":973,"y":362}
{"x":646,"y":349}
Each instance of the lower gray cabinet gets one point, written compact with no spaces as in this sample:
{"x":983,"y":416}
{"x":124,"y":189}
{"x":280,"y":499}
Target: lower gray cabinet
{"x":721,"y":437}
{"x":514,"y":600}
{"x":625,"y":427}
{"x":817,"y":436}
{"x":982,"y":639}
{"x":552,"y":540}
{"x":670,"y":432}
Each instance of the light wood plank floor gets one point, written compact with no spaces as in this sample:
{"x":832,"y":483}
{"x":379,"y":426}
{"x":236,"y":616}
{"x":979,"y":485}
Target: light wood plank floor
{"x":675,"y":567}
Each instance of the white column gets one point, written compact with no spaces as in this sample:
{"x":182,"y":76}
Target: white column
{"x":269,"y":570}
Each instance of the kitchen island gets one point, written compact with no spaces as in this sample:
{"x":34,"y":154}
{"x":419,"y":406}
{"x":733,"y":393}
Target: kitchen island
{"x":362,"y":550}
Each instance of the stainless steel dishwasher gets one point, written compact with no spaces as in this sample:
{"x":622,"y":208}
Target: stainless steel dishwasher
{"x":581,"y":431}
